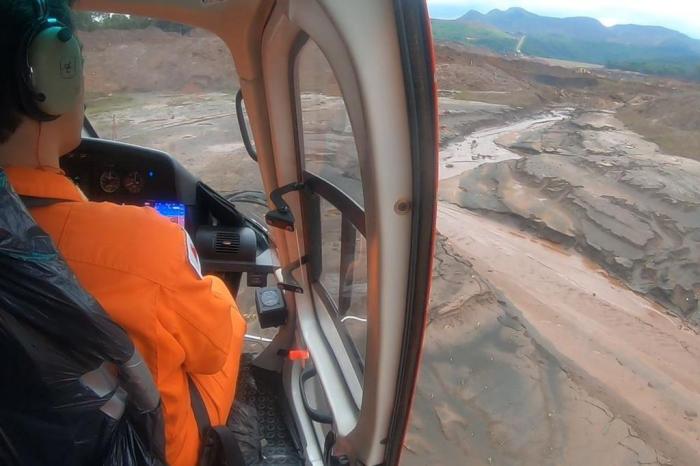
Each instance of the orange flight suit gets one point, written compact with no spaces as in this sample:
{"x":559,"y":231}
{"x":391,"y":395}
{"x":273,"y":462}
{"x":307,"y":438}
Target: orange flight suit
{"x":135,"y":263}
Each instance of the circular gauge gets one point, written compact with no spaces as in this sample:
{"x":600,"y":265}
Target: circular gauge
{"x":109,"y":181}
{"x":133,"y":182}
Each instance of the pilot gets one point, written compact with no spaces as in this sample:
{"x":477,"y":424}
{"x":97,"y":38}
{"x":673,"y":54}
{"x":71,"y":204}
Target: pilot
{"x":138,"y":265}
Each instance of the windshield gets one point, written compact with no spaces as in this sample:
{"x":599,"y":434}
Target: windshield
{"x":167,"y":86}
{"x":565,"y":304}
{"x":172,"y":87}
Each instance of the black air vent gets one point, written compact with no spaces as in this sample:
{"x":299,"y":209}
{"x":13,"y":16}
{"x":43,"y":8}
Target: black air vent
{"x":227,"y":242}
{"x":223,"y":249}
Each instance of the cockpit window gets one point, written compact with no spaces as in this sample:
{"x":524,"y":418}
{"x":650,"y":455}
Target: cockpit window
{"x":170,"y":87}
{"x":330,"y":153}
{"x":329,"y":143}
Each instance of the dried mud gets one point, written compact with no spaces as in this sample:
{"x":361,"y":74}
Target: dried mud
{"x":591,"y":184}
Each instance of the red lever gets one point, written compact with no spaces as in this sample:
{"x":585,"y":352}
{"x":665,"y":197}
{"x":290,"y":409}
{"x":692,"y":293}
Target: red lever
{"x":298,"y":355}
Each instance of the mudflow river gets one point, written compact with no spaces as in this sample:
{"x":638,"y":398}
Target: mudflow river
{"x":541,"y":358}
{"x":480,"y":147}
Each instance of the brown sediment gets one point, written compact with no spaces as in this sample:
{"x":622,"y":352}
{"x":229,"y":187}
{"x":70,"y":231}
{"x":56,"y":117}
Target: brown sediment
{"x":609,"y":341}
{"x":635,"y":361}
{"x":491,"y":389}
{"x":607,"y":193}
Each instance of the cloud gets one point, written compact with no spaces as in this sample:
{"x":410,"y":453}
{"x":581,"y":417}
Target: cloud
{"x":683,"y":15}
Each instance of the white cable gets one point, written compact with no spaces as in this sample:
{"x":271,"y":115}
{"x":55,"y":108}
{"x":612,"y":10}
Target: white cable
{"x":359,"y":319}
{"x":257,"y":339}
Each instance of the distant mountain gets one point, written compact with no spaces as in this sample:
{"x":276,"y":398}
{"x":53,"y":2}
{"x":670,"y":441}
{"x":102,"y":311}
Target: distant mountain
{"x":649,"y":35}
{"x":648,"y":49}
{"x":520,"y":21}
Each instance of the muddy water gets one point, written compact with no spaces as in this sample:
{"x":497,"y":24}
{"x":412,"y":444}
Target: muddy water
{"x":480,"y":147}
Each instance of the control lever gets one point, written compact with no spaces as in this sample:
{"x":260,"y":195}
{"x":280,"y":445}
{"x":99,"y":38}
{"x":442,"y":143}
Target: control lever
{"x":285,"y":280}
{"x":282,"y":216}
{"x":328,"y":458}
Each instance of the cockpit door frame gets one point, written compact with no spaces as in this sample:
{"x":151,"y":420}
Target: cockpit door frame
{"x":395,"y":130}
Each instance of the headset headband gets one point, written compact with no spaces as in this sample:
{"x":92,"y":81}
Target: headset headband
{"x":42,"y":11}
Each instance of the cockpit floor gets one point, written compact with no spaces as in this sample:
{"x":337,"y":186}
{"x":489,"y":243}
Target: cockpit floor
{"x":258,"y":420}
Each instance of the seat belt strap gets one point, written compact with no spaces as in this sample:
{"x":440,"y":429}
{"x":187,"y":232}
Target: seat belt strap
{"x":199,"y":408}
{"x":226,"y":444}
{"x":219,"y":445}
{"x":31,"y":202}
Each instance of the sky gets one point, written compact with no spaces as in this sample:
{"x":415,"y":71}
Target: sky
{"x":681,"y":15}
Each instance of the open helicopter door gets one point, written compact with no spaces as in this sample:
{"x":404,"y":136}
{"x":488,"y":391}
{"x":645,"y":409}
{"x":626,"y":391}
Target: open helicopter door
{"x":351,"y":105}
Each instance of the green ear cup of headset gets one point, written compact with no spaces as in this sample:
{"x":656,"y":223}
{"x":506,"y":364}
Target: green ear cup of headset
{"x":56,"y":70}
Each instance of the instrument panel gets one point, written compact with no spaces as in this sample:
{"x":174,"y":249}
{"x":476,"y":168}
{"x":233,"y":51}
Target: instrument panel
{"x":126,"y":177}
{"x":112,"y":180}
{"x":125,"y":174}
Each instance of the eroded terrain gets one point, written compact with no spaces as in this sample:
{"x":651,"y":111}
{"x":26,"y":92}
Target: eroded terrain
{"x":584,"y":234}
{"x":589,"y":183}
{"x":491,"y":393}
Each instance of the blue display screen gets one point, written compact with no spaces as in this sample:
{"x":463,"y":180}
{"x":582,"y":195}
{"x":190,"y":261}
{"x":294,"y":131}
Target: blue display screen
{"x":172,"y":210}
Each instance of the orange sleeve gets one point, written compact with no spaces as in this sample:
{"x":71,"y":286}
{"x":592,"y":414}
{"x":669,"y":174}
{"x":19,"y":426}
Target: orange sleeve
{"x":197,"y":313}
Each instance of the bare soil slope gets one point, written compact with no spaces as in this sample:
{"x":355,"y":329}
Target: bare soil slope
{"x":152,"y":60}
{"x":145,"y":60}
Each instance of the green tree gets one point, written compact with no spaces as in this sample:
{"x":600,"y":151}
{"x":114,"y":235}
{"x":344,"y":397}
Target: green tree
{"x":88,"y":21}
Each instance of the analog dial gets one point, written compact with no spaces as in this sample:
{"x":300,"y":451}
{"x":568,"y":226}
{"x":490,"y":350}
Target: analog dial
{"x":109,"y":181}
{"x":133,"y":182}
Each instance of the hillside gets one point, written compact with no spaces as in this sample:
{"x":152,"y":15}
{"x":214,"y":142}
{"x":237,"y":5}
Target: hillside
{"x":646,"y":49}
{"x":475,"y":34}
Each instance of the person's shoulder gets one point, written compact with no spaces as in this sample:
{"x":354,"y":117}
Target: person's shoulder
{"x":134,"y":240}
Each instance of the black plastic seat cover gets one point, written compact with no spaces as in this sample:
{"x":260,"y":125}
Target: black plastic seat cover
{"x":73,"y":390}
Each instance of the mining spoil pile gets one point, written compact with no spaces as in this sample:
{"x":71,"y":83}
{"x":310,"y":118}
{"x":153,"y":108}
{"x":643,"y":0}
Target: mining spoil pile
{"x":591,"y":184}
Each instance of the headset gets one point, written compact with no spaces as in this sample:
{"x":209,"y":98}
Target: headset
{"x":50,"y":67}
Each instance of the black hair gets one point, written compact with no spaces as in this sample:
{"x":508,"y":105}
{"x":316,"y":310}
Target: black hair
{"x":16,"y":18}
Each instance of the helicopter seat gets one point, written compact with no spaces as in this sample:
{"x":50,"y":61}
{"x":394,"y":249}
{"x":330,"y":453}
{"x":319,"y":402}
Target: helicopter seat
{"x":187,"y":327}
{"x":75,"y":391}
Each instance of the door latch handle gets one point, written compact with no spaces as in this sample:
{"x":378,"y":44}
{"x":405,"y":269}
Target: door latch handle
{"x":316,"y":415}
{"x":281,"y":216}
